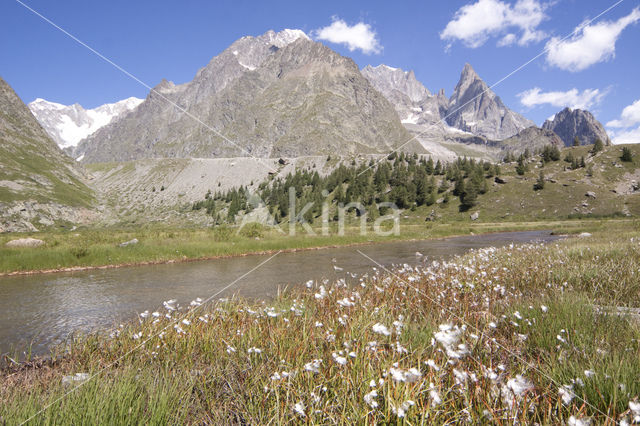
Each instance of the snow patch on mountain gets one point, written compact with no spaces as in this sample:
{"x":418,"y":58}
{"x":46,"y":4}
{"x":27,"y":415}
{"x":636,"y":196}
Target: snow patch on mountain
{"x":69,"y":124}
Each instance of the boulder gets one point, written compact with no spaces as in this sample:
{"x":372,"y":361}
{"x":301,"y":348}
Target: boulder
{"x":499,"y":180}
{"x":25,"y":242}
{"x":475,"y":216}
{"x":590,"y":194}
{"x":584,"y":235}
{"x":129,"y":243}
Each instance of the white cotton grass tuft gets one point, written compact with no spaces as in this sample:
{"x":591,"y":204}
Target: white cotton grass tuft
{"x":434,"y":395}
{"x":313,"y":366}
{"x":299,"y":408}
{"x":582,"y":421}
{"x":381,"y":329}
{"x":401,"y":411}
{"x":340,"y":360}
{"x":370,"y":399}
{"x":566,"y":393}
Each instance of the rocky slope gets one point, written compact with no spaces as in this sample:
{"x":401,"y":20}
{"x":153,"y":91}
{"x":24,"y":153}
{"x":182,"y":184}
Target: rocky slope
{"x":475,"y":108}
{"x":279,"y":94}
{"x":570,"y":123}
{"x":69,"y":124}
{"x":531,"y":138}
{"x":413,"y":102}
{"x":38,"y":183}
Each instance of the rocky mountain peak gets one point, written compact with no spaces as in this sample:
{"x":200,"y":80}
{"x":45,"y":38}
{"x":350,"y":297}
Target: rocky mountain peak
{"x":475,"y":108}
{"x":299,"y":99}
{"x":570,"y":123}
{"x":388,"y":79}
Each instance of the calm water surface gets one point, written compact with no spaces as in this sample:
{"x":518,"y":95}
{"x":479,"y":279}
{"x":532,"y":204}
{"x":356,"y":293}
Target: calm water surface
{"x":43,"y":310}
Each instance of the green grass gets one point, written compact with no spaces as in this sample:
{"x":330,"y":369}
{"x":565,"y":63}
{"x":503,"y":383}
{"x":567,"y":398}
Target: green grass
{"x":205,"y":373}
{"x":100,"y":246}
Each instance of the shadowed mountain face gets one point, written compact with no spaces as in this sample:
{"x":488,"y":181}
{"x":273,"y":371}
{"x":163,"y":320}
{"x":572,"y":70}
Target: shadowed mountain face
{"x":279,"y":94}
{"x":570,"y":123}
{"x":474,"y":108}
{"x":36,"y":178}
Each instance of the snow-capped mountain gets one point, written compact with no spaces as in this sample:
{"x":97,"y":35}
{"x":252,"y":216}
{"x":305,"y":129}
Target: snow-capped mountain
{"x":69,"y":124}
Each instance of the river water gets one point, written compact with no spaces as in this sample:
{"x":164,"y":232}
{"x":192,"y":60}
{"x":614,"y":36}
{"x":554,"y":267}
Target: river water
{"x":44,"y":310}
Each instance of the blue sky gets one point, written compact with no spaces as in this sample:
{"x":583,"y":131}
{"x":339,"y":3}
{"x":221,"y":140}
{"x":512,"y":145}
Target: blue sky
{"x":596,"y":67}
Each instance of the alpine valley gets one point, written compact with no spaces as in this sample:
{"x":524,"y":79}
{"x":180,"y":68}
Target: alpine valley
{"x":265,"y":107}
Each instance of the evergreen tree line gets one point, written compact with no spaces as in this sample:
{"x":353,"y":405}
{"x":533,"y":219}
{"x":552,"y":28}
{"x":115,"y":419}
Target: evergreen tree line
{"x":406,"y":180}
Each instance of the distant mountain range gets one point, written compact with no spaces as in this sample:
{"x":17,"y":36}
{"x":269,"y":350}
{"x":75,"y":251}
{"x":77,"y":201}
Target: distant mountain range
{"x":69,"y":124}
{"x":281,"y":94}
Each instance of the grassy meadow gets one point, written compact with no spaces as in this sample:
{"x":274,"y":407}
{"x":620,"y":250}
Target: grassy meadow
{"x":523,"y":334}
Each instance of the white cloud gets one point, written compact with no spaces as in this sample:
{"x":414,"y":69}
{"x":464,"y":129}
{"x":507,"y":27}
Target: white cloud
{"x":628,"y":136}
{"x":589,"y":44}
{"x":629,"y":117}
{"x":359,"y":36}
{"x":571,"y":98}
{"x":475,"y":23}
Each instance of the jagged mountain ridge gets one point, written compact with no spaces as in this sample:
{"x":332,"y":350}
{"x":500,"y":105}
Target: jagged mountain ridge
{"x":570,"y":123}
{"x":475,"y":108}
{"x":69,"y":124}
{"x":38,"y":182}
{"x":279,"y":94}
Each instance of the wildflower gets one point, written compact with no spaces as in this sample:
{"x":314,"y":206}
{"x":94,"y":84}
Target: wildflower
{"x":346,"y":303}
{"x":230,"y":349}
{"x":372,"y":383}
{"x":544,"y":308}
{"x":313,"y":366}
{"x":254,"y":350}
{"x":321,"y":294}
{"x":352,"y":354}
{"x":186,"y":322}
{"x":203,"y":319}
{"x":339,"y":359}
{"x":519,"y":385}
{"x":517,"y":315}
{"x":156,"y":314}
{"x":196,"y":302}
{"x":170,"y":305}
{"x":448,"y":336}
{"x":431,"y":363}
{"x":309,"y":284}
{"x":370,"y":399}
{"x":567,"y":394}
{"x":144,"y":314}
{"x":137,"y":336}
{"x":381,"y":329}
{"x":319,"y":324}
{"x":589,"y":373}
{"x":299,"y":409}
{"x":434,"y":395}
{"x":402,"y":410}
{"x":574,"y":421}
{"x":410,"y":376}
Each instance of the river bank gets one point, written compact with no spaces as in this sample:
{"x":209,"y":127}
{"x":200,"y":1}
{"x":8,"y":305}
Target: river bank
{"x":497,"y":335}
{"x":88,"y":249}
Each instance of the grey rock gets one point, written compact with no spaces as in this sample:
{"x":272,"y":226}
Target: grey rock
{"x":500,"y":180}
{"x":584,"y":235}
{"x":25,"y":242}
{"x":591,"y":194}
{"x":531,"y":138}
{"x":475,"y":216}
{"x":129,"y":243}
{"x":475,"y":108}
{"x":269,"y":96}
{"x":570,"y":123}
